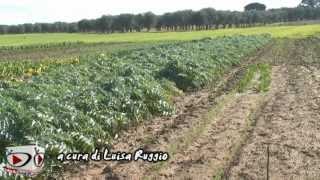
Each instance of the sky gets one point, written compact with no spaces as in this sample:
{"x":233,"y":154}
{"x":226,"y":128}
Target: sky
{"x":31,"y":11}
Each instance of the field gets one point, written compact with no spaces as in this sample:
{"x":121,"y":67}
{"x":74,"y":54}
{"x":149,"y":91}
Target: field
{"x":103,"y":94}
{"x":214,"y":100}
{"x":35,"y":39}
{"x":269,"y":104}
{"x":42,"y":47}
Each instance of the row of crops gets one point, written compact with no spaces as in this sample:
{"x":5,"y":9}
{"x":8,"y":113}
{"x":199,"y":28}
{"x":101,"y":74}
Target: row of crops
{"x":60,"y":52}
{"x":43,"y":46}
{"x":21,"y":70}
{"x":79,"y":106}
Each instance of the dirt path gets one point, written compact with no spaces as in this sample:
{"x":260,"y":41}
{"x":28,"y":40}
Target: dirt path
{"x":290,"y":126}
{"x":219,"y":133}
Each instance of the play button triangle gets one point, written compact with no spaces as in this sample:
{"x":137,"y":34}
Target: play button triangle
{"x":40,"y":159}
{"x":15,"y":159}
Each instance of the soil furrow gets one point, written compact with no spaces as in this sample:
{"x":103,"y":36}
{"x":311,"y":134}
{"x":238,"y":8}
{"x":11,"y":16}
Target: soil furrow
{"x":218,"y":133}
{"x":289,"y":126}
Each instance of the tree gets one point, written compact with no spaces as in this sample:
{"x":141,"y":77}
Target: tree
{"x":200,"y":19}
{"x":104,"y":23}
{"x":124,"y":23}
{"x":28,"y":28}
{"x":86,"y":25}
{"x":185,"y":19}
{"x":149,"y":20}
{"x":166,"y":21}
{"x":3,"y":29}
{"x":203,"y":19}
{"x":212,"y":17}
{"x":255,"y":6}
{"x":45,"y":27}
{"x":16,"y":29}
{"x":138,"y":22}
{"x":310,"y":3}
{"x":37,"y":28}
{"x":73,"y":27}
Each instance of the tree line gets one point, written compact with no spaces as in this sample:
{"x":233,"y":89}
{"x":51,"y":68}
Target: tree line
{"x":184,"y":20}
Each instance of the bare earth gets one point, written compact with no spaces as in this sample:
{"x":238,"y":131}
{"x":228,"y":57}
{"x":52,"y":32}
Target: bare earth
{"x":218,"y":133}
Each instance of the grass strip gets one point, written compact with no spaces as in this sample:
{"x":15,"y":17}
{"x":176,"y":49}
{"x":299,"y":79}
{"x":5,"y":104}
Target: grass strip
{"x":265,"y":77}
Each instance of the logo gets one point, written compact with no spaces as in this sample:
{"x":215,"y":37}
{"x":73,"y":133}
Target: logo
{"x":39,"y":160}
{"x":24,"y":160}
{"x":18,"y":159}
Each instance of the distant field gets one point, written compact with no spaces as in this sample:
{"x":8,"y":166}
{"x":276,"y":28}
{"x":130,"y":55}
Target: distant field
{"x":32,"y":39}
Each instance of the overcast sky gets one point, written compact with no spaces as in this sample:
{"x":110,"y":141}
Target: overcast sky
{"x":31,"y":11}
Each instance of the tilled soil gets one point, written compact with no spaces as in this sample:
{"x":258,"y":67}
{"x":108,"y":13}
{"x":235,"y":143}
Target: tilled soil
{"x":158,"y":134}
{"x":220,"y":134}
{"x":290,"y":127}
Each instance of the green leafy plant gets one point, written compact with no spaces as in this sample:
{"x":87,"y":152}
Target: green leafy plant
{"x":82,"y":105}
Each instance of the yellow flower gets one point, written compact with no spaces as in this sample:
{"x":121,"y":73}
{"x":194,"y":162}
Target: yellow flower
{"x":30,"y":70}
{"x":28,"y":75}
{"x":75,"y":61}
